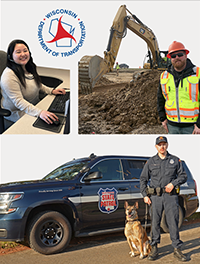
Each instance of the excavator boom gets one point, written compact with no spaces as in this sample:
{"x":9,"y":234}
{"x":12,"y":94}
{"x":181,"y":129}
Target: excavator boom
{"x":91,"y":68}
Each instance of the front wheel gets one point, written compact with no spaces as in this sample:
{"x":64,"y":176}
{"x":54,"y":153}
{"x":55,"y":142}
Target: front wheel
{"x":49,"y":233}
{"x":164,"y":224}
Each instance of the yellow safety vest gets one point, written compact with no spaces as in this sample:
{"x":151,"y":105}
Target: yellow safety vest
{"x":182,"y":104}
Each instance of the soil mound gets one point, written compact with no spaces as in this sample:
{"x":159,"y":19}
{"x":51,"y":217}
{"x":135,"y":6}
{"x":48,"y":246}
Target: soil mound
{"x":103,"y":81}
{"x":127,"y":109}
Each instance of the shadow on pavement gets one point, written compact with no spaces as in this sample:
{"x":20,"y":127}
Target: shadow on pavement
{"x":188,"y":245}
{"x":89,"y":242}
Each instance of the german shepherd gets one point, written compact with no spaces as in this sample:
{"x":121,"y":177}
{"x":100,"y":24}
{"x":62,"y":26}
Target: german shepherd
{"x":135,"y":233}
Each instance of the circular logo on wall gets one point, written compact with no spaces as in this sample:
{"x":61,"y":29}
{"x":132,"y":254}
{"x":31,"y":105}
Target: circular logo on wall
{"x":61,"y":33}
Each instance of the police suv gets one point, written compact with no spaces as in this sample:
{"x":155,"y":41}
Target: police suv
{"x":83,"y":197}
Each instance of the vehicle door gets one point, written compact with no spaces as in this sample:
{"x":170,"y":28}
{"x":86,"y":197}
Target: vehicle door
{"x":102,"y":200}
{"x":132,"y":171}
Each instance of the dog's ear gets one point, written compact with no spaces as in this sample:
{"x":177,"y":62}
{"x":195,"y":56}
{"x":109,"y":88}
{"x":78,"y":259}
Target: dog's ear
{"x":136,"y":205}
{"x":125,"y":204}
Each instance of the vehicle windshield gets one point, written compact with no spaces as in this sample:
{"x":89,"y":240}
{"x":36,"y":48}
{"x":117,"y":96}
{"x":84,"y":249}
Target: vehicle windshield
{"x":67,"y":171}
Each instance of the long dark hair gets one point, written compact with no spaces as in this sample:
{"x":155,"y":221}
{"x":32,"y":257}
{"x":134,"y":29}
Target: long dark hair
{"x":18,"y":70}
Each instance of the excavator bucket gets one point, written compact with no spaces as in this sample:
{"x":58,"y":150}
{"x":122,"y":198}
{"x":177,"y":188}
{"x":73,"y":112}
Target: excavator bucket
{"x":91,"y":68}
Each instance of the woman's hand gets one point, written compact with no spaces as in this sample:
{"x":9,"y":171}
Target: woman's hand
{"x":48,"y":117}
{"x":58,"y":91}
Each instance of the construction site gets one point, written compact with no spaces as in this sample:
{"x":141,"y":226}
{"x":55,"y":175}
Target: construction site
{"x":117,"y":100}
{"x":123,"y":104}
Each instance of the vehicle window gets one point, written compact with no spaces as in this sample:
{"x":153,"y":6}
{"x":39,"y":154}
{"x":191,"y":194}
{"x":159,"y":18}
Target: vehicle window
{"x":110,"y":169}
{"x":67,"y":171}
{"x":133,"y":169}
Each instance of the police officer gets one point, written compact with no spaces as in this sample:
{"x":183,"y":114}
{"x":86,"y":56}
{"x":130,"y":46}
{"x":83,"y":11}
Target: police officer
{"x":165,"y":172}
{"x":178,"y":98}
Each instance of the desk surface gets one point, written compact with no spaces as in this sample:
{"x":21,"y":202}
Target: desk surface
{"x":25,"y":124}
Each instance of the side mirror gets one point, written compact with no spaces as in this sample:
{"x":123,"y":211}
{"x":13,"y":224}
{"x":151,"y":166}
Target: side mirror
{"x":93,"y":176}
{"x":84,"y":169}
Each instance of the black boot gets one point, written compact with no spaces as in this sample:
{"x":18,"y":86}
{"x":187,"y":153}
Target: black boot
{"x":154,"y":253}
{"x":179,"y":255}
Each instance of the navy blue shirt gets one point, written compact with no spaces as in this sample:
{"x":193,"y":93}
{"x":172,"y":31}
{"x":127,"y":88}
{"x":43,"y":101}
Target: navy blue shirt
{"x":161,"y":172}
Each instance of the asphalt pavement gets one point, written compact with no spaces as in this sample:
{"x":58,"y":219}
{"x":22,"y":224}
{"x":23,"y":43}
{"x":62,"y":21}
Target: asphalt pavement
{"x":112,"y":249}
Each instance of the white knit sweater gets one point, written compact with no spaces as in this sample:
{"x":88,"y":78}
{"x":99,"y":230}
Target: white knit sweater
{"x":16,"y":98}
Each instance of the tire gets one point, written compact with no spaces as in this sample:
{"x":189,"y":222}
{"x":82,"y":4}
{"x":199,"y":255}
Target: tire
{"x":49,"y":233}
{"x":164,"y":224}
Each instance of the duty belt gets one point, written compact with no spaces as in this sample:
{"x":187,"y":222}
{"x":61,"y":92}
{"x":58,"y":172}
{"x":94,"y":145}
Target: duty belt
{"x":159,"y":191}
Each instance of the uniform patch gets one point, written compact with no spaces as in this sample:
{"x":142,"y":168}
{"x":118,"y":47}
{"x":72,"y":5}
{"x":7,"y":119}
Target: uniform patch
{"x":108,"y":202}
{"x":171,"y":161}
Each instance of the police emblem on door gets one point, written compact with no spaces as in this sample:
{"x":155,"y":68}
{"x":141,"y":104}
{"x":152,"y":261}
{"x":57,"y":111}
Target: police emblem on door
{"x":108,"y":202}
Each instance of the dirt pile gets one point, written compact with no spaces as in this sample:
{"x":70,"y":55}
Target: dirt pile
{"x":103,"y":81}
{"x":129,"y":108}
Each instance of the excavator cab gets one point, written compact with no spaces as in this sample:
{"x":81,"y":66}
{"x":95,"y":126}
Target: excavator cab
{"x":162,"y":61}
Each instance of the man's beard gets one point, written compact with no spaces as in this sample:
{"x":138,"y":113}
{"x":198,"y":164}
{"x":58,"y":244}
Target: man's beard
{"x":179,"y":65}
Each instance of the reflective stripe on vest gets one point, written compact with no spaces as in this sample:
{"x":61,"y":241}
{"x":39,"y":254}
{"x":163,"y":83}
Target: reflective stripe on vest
{"x":164,"y":75}
{"x":193,"y":88}
{"x":182,"y":103}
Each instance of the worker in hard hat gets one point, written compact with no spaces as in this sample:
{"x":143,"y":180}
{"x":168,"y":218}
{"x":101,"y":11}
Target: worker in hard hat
{"x":178,"y":94}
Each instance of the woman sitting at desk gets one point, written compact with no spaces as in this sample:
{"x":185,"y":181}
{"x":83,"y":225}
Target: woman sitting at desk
{"x":20,"y":85}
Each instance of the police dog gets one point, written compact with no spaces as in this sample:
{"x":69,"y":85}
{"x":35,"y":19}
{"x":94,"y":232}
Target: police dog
{"x":135,"y":233}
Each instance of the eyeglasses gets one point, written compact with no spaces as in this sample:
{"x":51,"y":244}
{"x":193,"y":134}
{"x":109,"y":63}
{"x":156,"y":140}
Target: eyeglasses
{"x":180,"y":54}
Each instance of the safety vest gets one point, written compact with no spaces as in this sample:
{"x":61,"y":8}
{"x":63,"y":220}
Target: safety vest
{"x":182,"y":102}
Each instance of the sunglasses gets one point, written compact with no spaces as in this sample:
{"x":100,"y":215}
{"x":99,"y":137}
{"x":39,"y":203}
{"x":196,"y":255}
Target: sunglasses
{"x":180,"y":54}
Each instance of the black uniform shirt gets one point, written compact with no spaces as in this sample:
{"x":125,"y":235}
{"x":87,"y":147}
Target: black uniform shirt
{"x":161,"y":172}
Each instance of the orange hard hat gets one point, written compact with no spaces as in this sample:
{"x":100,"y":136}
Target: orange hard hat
{"x":176,"y":46}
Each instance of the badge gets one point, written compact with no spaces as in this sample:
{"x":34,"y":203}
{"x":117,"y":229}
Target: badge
{"x":108,"y":202}
{"x":171,"y":161}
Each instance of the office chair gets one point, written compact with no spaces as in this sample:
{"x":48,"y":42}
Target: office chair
{"x":3,"y":112}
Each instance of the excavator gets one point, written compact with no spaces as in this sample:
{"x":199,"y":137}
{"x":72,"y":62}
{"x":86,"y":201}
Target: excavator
{"x":91,"y":68}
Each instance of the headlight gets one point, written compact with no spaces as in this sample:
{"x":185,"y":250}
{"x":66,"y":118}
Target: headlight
{"x":6,"y":200}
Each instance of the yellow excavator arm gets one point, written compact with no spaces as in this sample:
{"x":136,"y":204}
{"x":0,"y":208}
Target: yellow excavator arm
{"x":91,"y":68}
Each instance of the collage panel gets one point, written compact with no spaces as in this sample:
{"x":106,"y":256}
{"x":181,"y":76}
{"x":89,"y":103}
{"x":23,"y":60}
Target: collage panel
{"x":109,"y":151}
{"x":120,"y":93}
{"x":94,"y":181}
{"x":41,"y":109}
